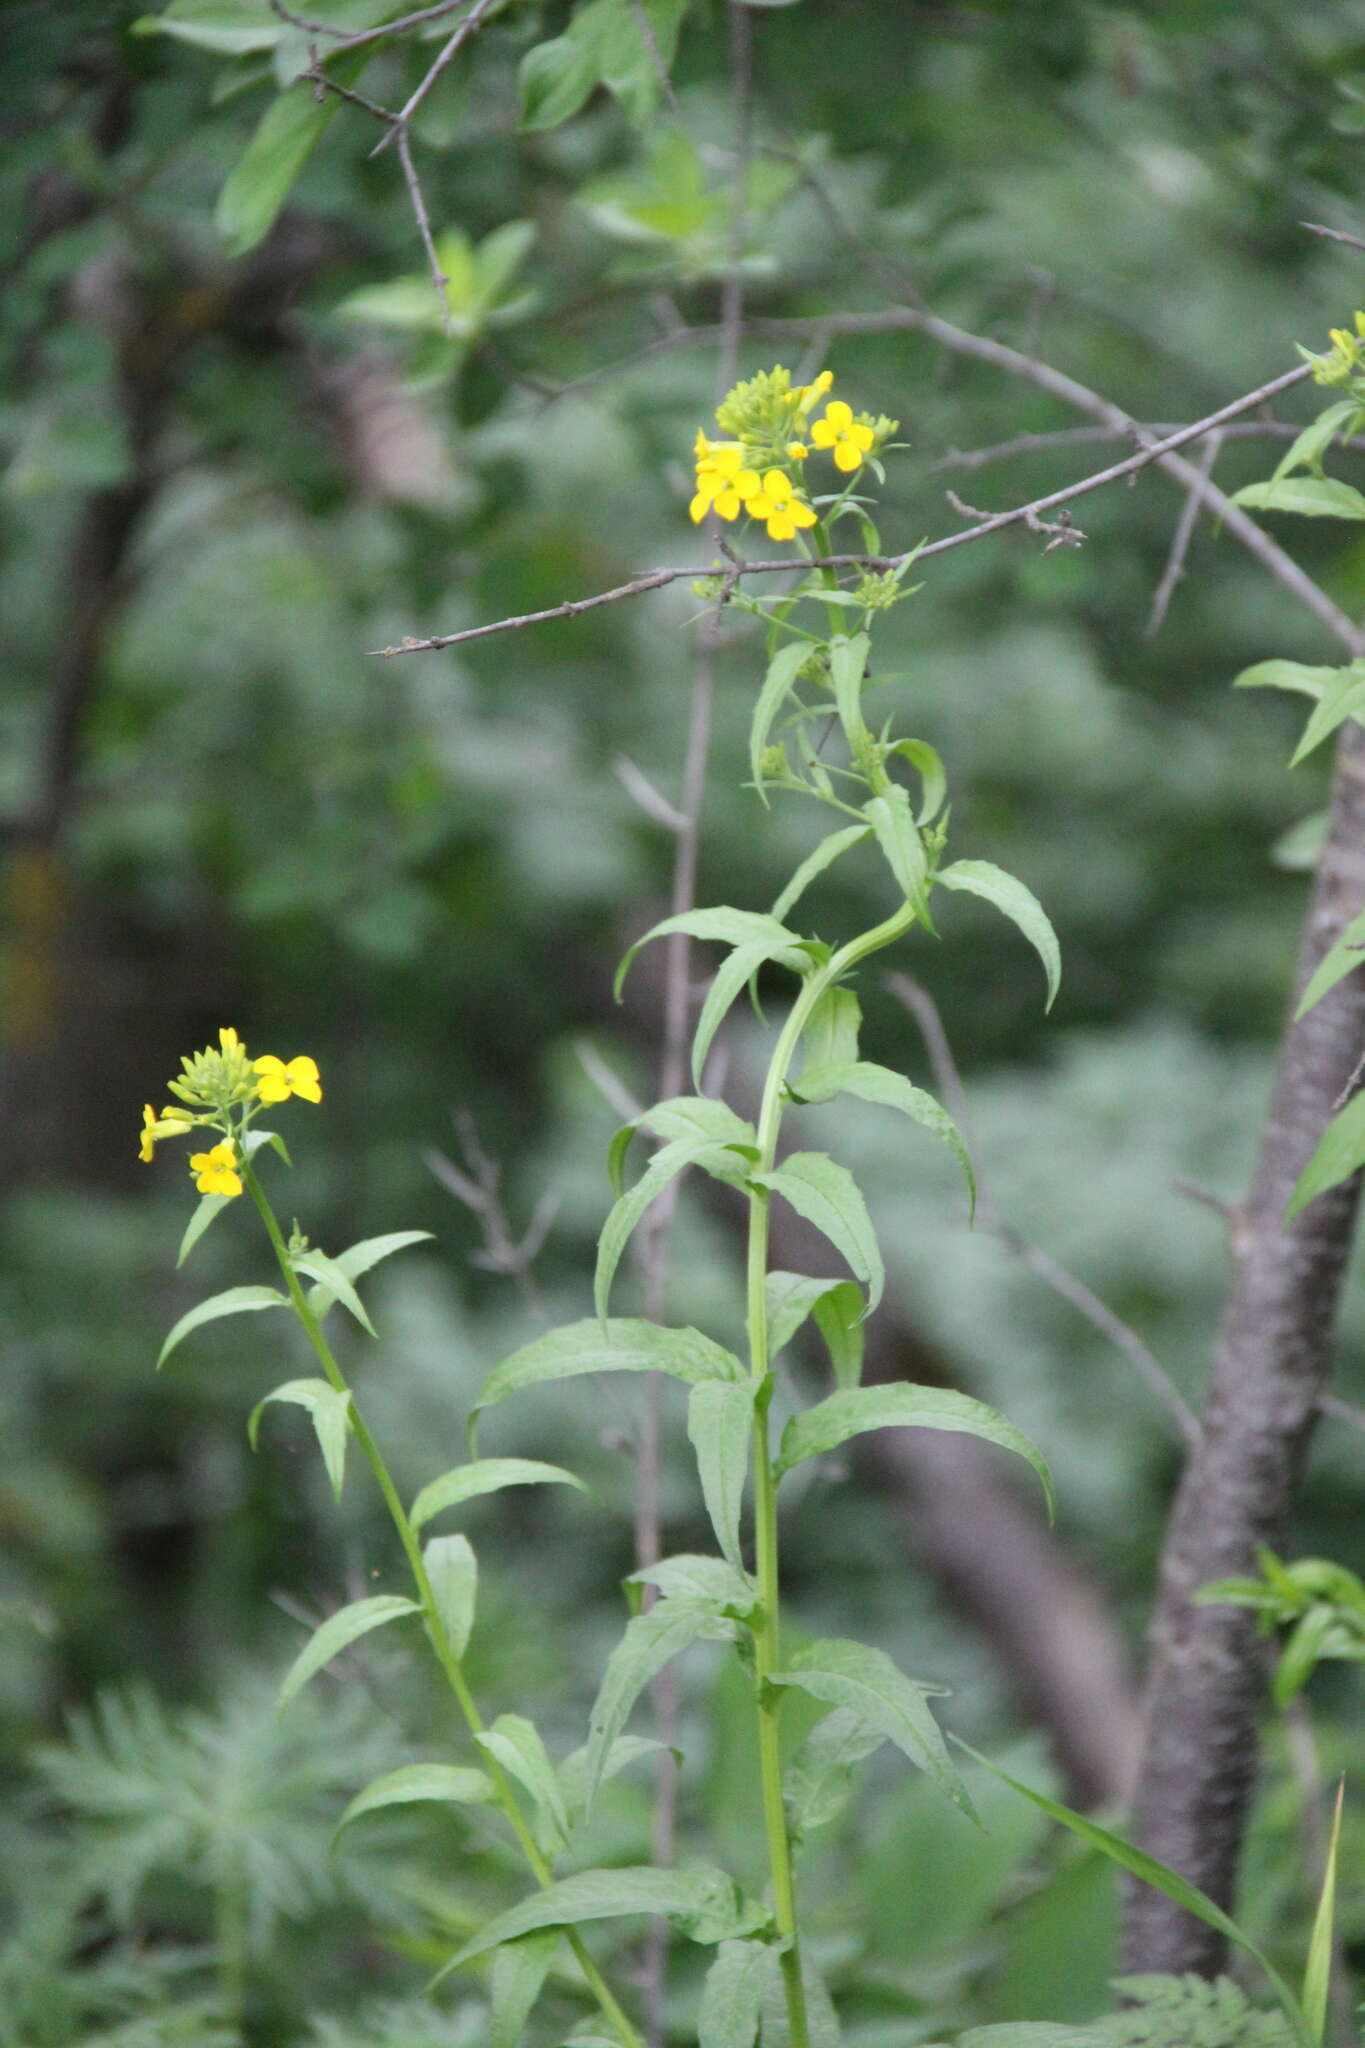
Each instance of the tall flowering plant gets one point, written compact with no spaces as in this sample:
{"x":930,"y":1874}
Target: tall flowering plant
{"x":798,"y":462}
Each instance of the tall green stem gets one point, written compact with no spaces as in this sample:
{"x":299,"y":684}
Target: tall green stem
{"x":767,"y":1633}
{"x":437,"y":1633}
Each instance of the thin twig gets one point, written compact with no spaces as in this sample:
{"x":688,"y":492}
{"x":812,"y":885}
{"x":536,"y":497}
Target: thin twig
{"x":1058,"y":533}
{"x":652,"y":802}
{"x":1153,"y":451}
{"x":345,"y":39}
{"x":477,"y":1185}
{"x":1087,"y":1304}
{"x":1333,"y":234}
{"x":450,"y":50}
{"x":323,"y":80}
{"x":1079,"y":437}
{"x":1174,"y":571}
{"x":419,"y":207}
{"x":645,"y":29}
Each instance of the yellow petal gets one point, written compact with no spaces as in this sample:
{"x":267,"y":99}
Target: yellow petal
{"x":838,"y":415}
{"x":727,"y":504}
{"x":822,"y":434}
{"x":760,"y":506}
{"x":699,"y":507}
{"x":746,"y":482}
{"x":846,"y":456}
{"x":777,"y":485}
{"x":728,"y":460}
{"x":304,"y":1078}
{"x":780,"y":526}
{"x":800,"y":515}
{"x":863,"y":436}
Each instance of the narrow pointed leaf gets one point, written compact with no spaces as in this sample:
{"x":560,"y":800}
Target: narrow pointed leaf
{"x":338,"y":1632}
{"x":896,"y":834}
{"x":453,"y":1571}
{"x":692,"y":1575}
{"x":359,"y":1258}
{"x":733,"y":974}
{"x":329,"y":1408}
{"x":827,"y":1195}
{"x":1311,"y":497}
{"x":824,"y":856}
{"x":853,"y":1675}
{"x":847,"y":665}
{"x":210,"y":1208}
{"x":286,"y":137}
{"x":626,"y":1750}
{"x":733,"y":1997}
{"x":1340,"y":960}
{"x":720,"y":1422}
{"x":925,"y":759}
{"x":315,"y":1265}
{"x":777,"y":684}
{"x":1340,"y":1153}
{"x":820,"y":1776}
{"x":626,"y":1213}
{"x":1009,"y":895}
{"x":1317,"y":1976}
{"x":236,"y":1301}
{"x":839,"y":1319}
{"x":1307,"y":451}
{"x":623,"y":1344}
{"x":707,"y":1905}
{"x":1139,"y":1864}
{"x":731,"y":927}
{"x":1289,"y":675}
{"x":516,"y":1744}
{"x":855,"y":1410}
{"x":518,"y":1972}
{"x":1342,"y":699}
{"x":651,"y":1640}
{"x":830,"y":1038}
{"x":789,"y":1298}
{"x":485,"y":1475}
{"x":873,"y":1083}
{"x":442,"y":1784}
{"x":698,"y":1116}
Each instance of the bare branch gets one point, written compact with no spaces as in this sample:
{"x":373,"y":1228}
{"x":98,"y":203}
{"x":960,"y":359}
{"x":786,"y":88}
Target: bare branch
{"x":1079,"y":437}
{"x":476,"y":1185}
{"x":345,"y":39}
{"x":1087,"y":1304}
{"x":645,"y":28}
{"x":1174,"y":571}
{"x":419,"y":207}
{"x":1059,"y":532}
{"x":651,"y":801}
{"x":1333,"y":234}
{"x":450,"y":50}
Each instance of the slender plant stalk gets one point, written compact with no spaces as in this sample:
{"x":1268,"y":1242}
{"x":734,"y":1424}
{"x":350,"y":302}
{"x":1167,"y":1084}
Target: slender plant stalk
{"x":767,"y":1634}
{"x":230,"y":1916}
{"x":437,"y":1633}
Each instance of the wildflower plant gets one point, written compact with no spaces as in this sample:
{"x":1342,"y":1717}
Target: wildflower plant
{"x":798,"y":461}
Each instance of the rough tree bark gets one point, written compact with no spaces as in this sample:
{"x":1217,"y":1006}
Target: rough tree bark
{"x":1206,"y":1686}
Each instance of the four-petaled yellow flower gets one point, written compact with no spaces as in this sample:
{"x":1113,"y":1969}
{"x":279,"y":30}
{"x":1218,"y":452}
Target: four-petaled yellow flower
{"x":170,"y":1124}
{"x":846,"y":439}
{"x":216,"y":1172}
{"x":723,"y":482}
{"x":278,"y":1080}
{"x":778,"y":503}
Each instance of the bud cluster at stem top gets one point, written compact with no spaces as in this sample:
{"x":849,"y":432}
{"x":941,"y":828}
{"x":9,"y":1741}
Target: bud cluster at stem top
{"x":222,"y":1089}
{"x":760,"y":471}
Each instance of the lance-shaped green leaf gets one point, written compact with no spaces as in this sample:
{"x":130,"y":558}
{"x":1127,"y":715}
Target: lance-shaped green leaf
{"x":626,"y":1750}
{"x":894,"y":828}
{"x":732,"y":1999}
{"x":329,"y":1408}
{"x":706,"y":1905}
{"x":789,"y":1299}
{"x":1311,"y":497}
{"x":486,"y":1475}
{"x":231,"y":28}
{"x":695,"y":1119}
{"x":826,"y":853}
{"x":651,"y":1640}
{"x":338,"y":1632}
{"x":1308,"y":449}
{"x":359,"y":1258}
{"x":316,"y":1265}
{"x":1317,"y":1975}
{"x":1288,"y":675}
{"x":1033,"y":2034}
{"x":720,"y":1423}
{"x":623,"y":1344}
{"x":691,"y":1575}
{"x":735,"y":972}
{"x":873,"y":1083}
{"x":1009,"y":895}
{"x":625,"y":1214}
{"x":731,"y":927}
{"x":820,"y":1776}
{"x":1158,"y":1875}
{"x":777,"y":686}
{"x":235,"y":1301}
{"x":830,"y":1038}
{"x":210,"y":1208}
{"x":847,"y":666}
{"x":440,"y":1784}
{"x":1340,"y":1153}
{"x":926,"y":761}
{"x":838,"y":1308}
{"x":1347,"y":954}
{"x":855,"y":1410}
{"x":453,"y":1571}
{"x":516,"y":1744}
{"x":1342,"y":699}
{"x":518,"y":1972}
{"x":853,"y":1675}
{"x":288,"y":133}
{"x":827,"y":1195}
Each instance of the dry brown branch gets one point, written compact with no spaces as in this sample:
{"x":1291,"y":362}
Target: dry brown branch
{"x":969,"y":459}
{"x":1180,"y":540}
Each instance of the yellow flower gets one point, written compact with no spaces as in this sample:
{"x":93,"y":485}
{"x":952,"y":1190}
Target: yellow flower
{"x":170,"y":1124}
{"x":797,"y":450}
{"x":278,"y":1082}
{"x":723,"y":482}
{"x":842,"y":435}
{"x":778,"y":503}
{"x":216,"y":1172}
{"x":806,"y":395}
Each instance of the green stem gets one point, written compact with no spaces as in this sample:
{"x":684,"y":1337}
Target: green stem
{"x":767,"y":1632}
{"x":437,"y":1633}
{"x":230,"y":1916}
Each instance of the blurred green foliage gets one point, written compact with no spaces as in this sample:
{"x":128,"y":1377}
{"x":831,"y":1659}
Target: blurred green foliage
{"x":225,"y":480}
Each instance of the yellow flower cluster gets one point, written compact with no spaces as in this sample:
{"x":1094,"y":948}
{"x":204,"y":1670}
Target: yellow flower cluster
{"x":748,"y":475}
{"x":1347,"y":357}
{"x":223,"y":1089}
